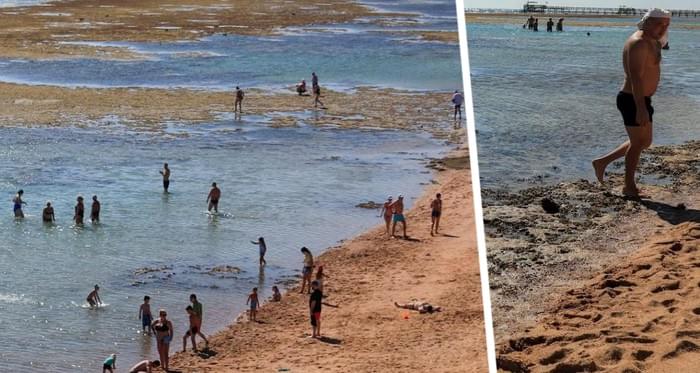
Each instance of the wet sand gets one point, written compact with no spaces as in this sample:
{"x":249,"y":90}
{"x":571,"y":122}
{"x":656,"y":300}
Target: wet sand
{"x":37,"y":32}
{"x":621,"y":251}
{"x":366,"y":332}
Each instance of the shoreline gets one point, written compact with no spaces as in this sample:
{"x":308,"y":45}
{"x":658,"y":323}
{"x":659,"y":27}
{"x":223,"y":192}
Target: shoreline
{"x":575,"y":20}
{"x":366,"y":275}
{"x":535,"y":255}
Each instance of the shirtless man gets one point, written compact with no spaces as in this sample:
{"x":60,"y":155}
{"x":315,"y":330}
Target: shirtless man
{"x":641,"y":59}
{"x":145,"y":366}
{"x":436,"y":207}
{"x":79,"y":211}
{"x":95,"y":210}
{"x":397,"y":208}
{"x":166,"y":177}
{"x":93,"y":298}
{"x":213,"y":197}
{"x":238,"y":104}
{"x":47,"y":215}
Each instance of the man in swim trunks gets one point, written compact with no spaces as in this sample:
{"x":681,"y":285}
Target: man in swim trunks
{"x":436,"y":207}
{"x":641,"y":60}
{"x":238,"y":104}
{"x":79,"y":211}
{"x":420,"y":306}
{"x":166,"y":177}
{"x":458,"y":100}
{"x":397,"y":208}
{"x":213,"y":198}
{"x":110,"y":363}
{"x":145,"y":366}
{"x":93,"y":298}
{"x":17,"y":207}
{"x":387,"y":212}
{"x":47,"y":214}
{"x":95,"y":210}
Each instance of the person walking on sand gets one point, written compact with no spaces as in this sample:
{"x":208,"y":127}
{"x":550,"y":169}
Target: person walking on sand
{"x":47,"y":215}
{"x":164,"y":335}
{"x":307,"y":269}
{"x":263,"y":250}
{"x":397,"y":207}
{"x":17,"y":207}
{"x":194,"y":330}
{"x":166,"y":177}
{"x":145,"y":366}
{"x":198,"y":307}
{"x":315,"y":302}
{"x":253,"y":302}
{"x":436,"y":207}
{"x":317,"y":97}
{"x":213,"y":198}
{"x":79,"y":211}
{"x":387,"y":212}
{"x":145,"y":315}
{"x":457,"y":100}
{"x":641,"y":61}
{"x":238,"y":104}
{"x":95,"y":210}
{"x":93,"y":298}
{"x":110,"y":363}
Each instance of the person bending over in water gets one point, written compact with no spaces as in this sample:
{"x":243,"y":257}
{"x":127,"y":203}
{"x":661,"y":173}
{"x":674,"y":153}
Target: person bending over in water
{"x":420,"y":306}
{"x":17,"y":207}
{"x":436,"y":207}
{"x":397,"y":207}
{"x":166,"y":177}
{"x":95,"y":210}
{"x":110,"y":363}
{"x":301,"y":87}
{"x":213,"y":198}
{"x":94,"y":298}
{"x":47,"y":214}
{"x":145,"y":366}
{"x":263,"y":250}
{"x":79,"y":211}
{"x":641,"y":60}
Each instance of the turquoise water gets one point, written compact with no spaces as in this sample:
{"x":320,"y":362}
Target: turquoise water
{"x":294,"y":186}
{"x":545,"y":102}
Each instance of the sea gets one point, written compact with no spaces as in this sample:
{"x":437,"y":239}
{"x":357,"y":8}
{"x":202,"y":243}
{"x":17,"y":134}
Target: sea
{"x":294,"y":186}
{"x":545,"y":102}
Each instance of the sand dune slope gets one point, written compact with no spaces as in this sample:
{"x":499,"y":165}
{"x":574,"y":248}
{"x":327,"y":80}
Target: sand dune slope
{"x":639,"y":315}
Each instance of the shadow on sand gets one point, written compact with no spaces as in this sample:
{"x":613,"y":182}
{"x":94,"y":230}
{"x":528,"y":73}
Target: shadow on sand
{"x":672,"y":214}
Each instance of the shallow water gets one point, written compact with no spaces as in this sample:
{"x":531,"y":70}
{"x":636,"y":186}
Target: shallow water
{"x":293,"y":186}
{"x":545,"y":102}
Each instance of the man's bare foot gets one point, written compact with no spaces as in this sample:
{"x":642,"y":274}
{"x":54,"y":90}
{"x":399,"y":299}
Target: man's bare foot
{"x":599,"y":169}
{"x":431,"y":233}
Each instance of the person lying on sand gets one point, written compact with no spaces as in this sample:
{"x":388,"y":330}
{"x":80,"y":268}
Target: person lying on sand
{"x":145,"y":366}
{"x":420,"y":306}
{"x":93,"y":298}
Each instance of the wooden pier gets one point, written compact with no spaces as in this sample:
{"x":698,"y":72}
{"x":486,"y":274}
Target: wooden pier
{"x":535,"y":7}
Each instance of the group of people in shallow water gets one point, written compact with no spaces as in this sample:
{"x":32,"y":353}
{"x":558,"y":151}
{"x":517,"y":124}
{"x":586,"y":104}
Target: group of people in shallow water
{"x":48,"y":215}
{"x":532,"y":24}
{"x":392,"y":211}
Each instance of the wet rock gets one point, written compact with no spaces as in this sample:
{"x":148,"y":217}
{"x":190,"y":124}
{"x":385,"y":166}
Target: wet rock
{"x":550,"y":206}
{"x":369,"y":205}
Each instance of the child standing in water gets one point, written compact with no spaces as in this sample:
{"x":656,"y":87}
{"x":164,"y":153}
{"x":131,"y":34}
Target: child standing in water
{"x":253,"y":301}
{"x":145,"y":315}
{"x":263,"y":249}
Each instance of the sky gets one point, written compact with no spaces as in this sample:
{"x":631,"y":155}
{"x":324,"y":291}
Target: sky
{"x":518,"y":4}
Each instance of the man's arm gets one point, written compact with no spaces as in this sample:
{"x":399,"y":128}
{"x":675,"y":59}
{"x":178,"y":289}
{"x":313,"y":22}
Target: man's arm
{"x":637,"y":57}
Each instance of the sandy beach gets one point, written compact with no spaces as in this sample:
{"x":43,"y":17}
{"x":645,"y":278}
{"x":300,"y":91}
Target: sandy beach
{"x":604,"y":284}
{"x":366,"y":332}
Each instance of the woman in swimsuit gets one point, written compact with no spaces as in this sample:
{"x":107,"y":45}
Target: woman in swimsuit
{"x":387,"y":211}
{"x":164,"y":334}
{"x":308,"y":268}
{"x":17,"y":208}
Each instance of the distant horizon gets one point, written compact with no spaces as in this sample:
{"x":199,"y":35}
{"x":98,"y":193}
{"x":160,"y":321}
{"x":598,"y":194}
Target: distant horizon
{"x":639,"y":4}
